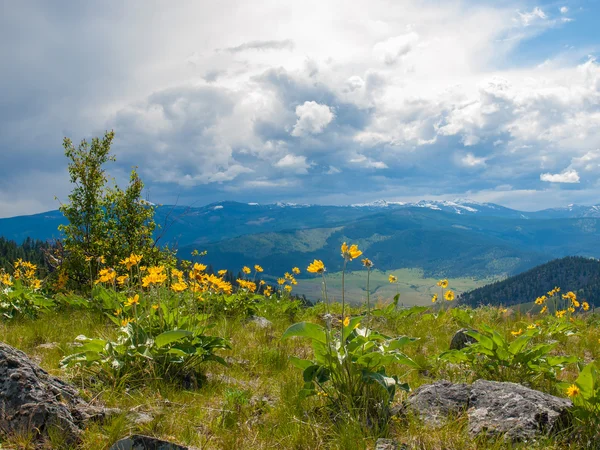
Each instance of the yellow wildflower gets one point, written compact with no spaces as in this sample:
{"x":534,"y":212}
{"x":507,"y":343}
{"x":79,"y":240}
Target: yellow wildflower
{"x":122,"y":279}
{"x":288,"y":288}
{"x":585,"y":306}
{"x":393,"y":279}
{"x":443,"y":283}
{"x":258,"y":268}
{"x":316,"y":266}
{"x":350,"y":253}
{"x":268,"y":291}
{"x":347,"y":321}
{"x":126,"y":322}
{"x":101,"y":260}
{"x":560,"y":313}
{"x":280,"y":281}
{"x":544,"y":309}
{"x":517,"y":333}
{"x":155,"y":307}
{"x":135,"y":300}
{"x":88,"y":258}
{"x":434,"y":298}
{"x":296,"y":271}
{"x":571,"y":309}
{"x":180,"y":286}
{"x":573,"y":391}
{"x":532,"y":326}
{"x":367,"y":263}
{"x":118,"y":312}
{"x":449,"y":295}
{"x":222,"y":272}
{"x":246,"y":270}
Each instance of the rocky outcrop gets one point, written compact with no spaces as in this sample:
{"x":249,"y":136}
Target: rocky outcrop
{"x":493,"y":408}
{"x":33,"y":401}
{"x":139,"y":442}
{"x":461,"y":339}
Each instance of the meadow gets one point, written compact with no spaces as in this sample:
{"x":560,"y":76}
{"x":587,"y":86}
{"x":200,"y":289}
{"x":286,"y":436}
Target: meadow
{"x":182,"y":355}
{"x":412,"y":285}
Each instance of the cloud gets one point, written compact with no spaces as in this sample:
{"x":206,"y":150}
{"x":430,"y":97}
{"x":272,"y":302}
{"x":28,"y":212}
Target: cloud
{"x":295,"y":163}
{"x":340,"y":101}
{"x":533,"y":16}
{"x":368,"y":163}
{"x":286,"y":44}
{"x":312,"y":118}
{"x":569,"y":176}
{"x":470,"y":160}
{"x":564,"y":10}
{"x":394,"y":48}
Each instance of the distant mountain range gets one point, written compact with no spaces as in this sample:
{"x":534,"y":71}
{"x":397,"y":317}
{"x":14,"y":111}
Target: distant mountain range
{"x":446,"y":238}
{"x":577,"y":274}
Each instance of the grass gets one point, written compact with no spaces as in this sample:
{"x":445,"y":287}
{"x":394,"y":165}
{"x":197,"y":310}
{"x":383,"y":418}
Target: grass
{"x":413,"y":286}
{"x":254,"y":403}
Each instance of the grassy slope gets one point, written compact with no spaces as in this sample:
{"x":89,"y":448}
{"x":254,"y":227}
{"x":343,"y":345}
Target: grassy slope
{"x":267,"y":413}
{"x":413,"y":286}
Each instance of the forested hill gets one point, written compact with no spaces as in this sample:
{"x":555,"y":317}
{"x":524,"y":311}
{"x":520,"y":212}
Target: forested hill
{"x":29,"y":250}
{"x":573,"y":273}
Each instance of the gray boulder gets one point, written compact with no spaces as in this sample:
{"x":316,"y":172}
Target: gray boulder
{"x":461,"y":339}
{"x":31,"y":400}
{"x":515,"y":411}
{"x":493,"y":408}
{"x":434,"y":403}
{"x":140,"y":442}
{"x":261,"y":322}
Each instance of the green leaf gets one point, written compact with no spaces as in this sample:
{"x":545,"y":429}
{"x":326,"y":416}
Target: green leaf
{"x":588,"y":379}
{"x":308,"y":330}
{"x":301,"y":364}
{"x":169,"y":337}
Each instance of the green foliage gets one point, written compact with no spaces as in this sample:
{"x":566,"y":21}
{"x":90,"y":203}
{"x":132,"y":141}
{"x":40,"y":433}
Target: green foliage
{"x":585,"y":394}
{"x":21,"y":299}
{"x":349,"y":368}
{"x":519,"y":360}
{"x":103,"y":221}
{"x":159,"y":336}
{"x":573,"y":273}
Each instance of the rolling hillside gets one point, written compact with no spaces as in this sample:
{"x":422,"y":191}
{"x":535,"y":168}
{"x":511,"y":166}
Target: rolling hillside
{"x":581,"y":275}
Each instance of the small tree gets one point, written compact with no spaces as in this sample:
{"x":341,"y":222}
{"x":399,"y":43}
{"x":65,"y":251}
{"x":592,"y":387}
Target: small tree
{"x":103,"y":221}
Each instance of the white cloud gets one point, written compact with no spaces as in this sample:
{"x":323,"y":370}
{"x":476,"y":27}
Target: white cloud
{"x":564,"y":10}
{"x":368,"y":163}
{"x":394,"y":48}
{"x":588,"y":162}
{"x":470,"y":160}
{"x":293,"y":162}
{"x":312,"y":118}
{"x":568,"y":176}
{"x":533,"y":16}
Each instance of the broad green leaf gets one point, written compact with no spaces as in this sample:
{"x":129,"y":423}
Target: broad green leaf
{"x":169,"y":337}
{"x":306,"y":329}
{"x":301,"y":364}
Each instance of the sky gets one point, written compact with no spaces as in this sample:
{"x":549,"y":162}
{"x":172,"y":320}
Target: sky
{"x":313,"y":101}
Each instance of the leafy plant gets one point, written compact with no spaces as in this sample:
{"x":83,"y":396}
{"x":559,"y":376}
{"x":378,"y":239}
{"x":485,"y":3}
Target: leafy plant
{"x":585,"y":394}
{"x":520,"y":360}
{"x":351,"y":372}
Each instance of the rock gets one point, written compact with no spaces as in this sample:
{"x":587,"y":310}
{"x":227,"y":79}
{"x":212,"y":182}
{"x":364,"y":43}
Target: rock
{"x":48,"y":345}
{"x":461,"y":339}
{"x":31,"y":400}
{"x":139,"y":418}
{"x":435,"y":402}
{"x":260,"y":322}
{"x":493,"y":408}
{"x":515,"y":411}
{"x":140,"y":442}
{"x":386,"y":444}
